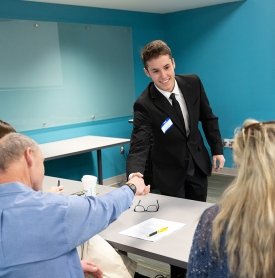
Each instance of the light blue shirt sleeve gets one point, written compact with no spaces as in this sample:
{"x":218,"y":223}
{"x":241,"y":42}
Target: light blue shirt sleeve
{"x":37,"y":227}
{"x":87,"y":216}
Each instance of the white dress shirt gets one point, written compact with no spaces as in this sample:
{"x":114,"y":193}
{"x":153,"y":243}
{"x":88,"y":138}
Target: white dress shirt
{"x":179,"y":97}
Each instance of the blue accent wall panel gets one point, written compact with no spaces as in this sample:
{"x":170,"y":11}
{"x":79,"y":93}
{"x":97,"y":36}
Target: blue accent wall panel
{"x":232,"y":48}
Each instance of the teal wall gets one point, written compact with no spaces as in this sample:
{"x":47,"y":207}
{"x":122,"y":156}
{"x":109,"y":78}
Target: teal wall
{"x":145,"y":27}
{"x":231,"y":47}
{"x":75,"y":167}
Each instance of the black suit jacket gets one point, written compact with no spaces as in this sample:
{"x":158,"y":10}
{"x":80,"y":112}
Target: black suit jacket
{"x":169,"y":150}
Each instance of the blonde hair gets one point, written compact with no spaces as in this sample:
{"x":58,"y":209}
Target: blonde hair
{"x":247,"y":207}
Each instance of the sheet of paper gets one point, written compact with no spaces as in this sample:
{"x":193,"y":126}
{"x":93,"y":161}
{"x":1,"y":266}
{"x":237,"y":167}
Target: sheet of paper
{"x":145,"y":228}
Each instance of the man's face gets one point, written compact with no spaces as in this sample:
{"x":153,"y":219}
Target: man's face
{"x":162,"y":72}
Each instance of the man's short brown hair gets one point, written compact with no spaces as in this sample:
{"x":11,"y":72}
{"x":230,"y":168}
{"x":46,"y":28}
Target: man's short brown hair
{"x":154,"y":49}
{"x":5,"y":128}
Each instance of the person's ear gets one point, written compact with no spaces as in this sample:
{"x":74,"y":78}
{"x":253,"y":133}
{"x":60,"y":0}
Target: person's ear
{"x":174,"y":63}
{"x":28,"y":154}
{"x":146,"y":72}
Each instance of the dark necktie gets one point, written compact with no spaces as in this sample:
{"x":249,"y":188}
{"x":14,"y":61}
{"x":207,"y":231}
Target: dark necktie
{"x":177,"y":108}
{"x":189,"y":160}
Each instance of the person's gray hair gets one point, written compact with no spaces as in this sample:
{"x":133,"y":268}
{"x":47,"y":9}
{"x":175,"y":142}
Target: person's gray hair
{"x":12,"y":147}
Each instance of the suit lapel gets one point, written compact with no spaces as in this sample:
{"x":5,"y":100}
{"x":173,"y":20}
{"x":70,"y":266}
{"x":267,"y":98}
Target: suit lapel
{"x":188,"y":97}
{"x":163,"y":104}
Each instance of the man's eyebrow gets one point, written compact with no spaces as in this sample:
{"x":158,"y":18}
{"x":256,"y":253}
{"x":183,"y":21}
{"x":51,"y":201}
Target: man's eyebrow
{"x":158,"y":68}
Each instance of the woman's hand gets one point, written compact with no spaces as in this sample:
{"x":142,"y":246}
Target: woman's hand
{"x":90,"y":267}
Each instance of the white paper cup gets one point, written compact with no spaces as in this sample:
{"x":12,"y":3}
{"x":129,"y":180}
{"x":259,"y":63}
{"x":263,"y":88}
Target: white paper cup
{"x":89,"y":184}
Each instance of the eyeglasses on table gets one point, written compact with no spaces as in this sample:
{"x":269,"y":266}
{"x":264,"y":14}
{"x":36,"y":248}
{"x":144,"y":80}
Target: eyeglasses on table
{"x":150,"y":208}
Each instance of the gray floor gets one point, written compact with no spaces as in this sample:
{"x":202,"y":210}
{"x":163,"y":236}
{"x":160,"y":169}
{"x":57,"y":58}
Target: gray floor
{"x":216,"y":185}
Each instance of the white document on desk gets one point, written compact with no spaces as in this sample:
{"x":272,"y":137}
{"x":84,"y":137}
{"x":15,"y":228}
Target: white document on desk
{"x":145,"y":228}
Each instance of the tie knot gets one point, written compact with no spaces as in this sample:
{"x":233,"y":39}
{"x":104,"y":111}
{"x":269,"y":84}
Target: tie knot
{"x":172,"y":96}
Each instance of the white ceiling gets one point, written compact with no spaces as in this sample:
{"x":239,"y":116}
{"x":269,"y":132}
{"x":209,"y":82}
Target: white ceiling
{"x":150,"y":6}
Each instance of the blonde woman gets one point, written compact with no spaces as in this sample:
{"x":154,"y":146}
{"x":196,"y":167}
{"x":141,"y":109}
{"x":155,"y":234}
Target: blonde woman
{"x":236,"y":238}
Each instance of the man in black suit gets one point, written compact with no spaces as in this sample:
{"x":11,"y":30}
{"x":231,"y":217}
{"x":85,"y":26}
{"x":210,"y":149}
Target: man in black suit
{"x":167,"y":127}
{"x":179,"y":158}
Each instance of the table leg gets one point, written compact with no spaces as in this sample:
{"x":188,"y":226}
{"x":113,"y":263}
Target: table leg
{"x":99,"y":166}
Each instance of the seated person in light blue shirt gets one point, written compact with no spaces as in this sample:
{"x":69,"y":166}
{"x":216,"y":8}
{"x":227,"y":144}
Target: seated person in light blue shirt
{"x":39,"y":232}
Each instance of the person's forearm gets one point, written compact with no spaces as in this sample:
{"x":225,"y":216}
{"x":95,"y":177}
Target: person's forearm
{"x":88,"y":216}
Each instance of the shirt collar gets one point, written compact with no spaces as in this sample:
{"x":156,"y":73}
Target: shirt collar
{"x":167,"y":94}
{"x":13,"y":187}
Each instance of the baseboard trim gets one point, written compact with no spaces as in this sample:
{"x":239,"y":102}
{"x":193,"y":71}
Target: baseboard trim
{"x":116,"y":180}
{"x":226,"y":171}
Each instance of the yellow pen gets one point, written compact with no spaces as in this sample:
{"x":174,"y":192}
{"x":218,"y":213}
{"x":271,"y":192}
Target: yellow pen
{"x":158,"y":231}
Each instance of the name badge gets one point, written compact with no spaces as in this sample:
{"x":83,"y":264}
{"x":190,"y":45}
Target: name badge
{"x":166,"y":125}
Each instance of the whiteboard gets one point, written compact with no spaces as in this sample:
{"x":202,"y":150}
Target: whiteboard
{"x":54,"y":74}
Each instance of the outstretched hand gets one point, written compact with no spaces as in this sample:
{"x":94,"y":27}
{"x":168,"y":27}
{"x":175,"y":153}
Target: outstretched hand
{"x":138,"y":181}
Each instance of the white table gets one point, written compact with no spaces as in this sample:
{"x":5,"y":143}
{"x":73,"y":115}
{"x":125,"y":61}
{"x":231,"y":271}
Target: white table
{"x":173,"y":249}
{"x":79,"y":145}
